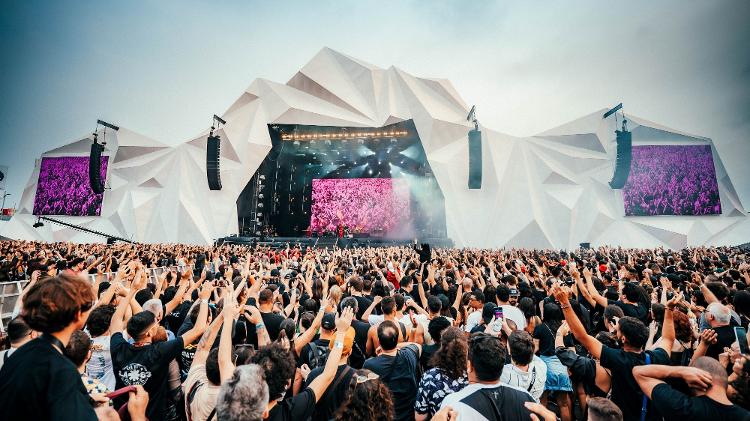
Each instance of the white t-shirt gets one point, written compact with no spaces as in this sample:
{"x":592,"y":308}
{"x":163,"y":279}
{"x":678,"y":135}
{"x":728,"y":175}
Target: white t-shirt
{"x":513,"y":313}
{"x":99,"y":366}
{"x":513,"y":376}
{"x":472,"y":320}
{"x":204,"y":397}
{"x":5,"y":355}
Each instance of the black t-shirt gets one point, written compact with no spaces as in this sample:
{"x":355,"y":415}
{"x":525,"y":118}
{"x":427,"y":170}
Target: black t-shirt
{"x":357,"y":359}
{"x":626,"y":393}
{"x":678,"y":406}
{"x":147,"y":366}
{"x":306,"y":353}
{"x":546,"y":339}
{"x":363,"y":303}
{"x":296,"y":408}
{"x":427,"y":352}
{"x":37,"y":382}
{"x":724,"y":338}
{"x":272,"y":323}
{"x":336,"y":393}
{"x":399,"y":373}
{"x":632,"y":310}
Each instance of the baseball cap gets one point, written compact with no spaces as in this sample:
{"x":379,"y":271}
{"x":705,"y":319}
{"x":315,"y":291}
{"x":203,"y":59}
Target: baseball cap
{"x":329,"y":321}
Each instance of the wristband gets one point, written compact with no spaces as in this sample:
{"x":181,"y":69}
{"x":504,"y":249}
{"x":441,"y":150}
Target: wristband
{"x":259,"y":326}
{"x":338,"y":344}
{"x":563,"y":307}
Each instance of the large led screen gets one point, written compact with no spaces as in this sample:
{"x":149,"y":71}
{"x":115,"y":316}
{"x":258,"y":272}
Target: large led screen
{"x":672,"y":180}
{"x":363,"y":205}
{"x":64,"y":189}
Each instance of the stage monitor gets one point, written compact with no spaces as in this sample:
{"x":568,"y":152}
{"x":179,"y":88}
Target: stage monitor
{"x":672,"y":180}
{"x":63,"y":187}
{"x":366,"y":205}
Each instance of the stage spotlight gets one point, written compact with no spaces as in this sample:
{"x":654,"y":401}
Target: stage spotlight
{"x":296,"y":143}
{"x":260,"y":205}
{"x":262,"y":177}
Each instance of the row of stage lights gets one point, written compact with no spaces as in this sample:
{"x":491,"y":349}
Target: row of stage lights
{"x":344,"y":135}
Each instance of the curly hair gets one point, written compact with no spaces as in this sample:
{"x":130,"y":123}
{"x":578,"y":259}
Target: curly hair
{"x":682,"y":328}
{"x":368,"y":400}
{"x":278,"y":365}
{"x":452,"y":354}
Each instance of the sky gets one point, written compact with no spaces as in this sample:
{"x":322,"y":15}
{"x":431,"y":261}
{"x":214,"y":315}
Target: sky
{"x":162,"y":68}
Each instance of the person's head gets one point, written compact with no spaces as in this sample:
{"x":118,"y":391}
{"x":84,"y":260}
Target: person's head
{"x":278,"y":366}
{"x":488,"y":312}
{"x":388,"y":305}
{"x":99,"y":320}
{"x":328,"y":324}
{"x":244,"y":397}
{"x":657,"y":311}
{"x":356,"y":284}
{"x":527,"y":307}
{"x":388,"y":335}
{"x":718,"y":315}
{"x":486,"y":358}
{"x":631,"y":331}
{"x":19,"y":332}
{"x":78,"y":349}
{"x":683,"y":330}
{"x":54,"y":304}
{"x":436,"y":327}
{"x":603,"y":409}
{"x":288,"y":327}
{"x":521,"y":347}
{"x":715,"y":369}
{"x":631,"y":293}
{"x":742,"y":302}
{"x":212,"y":367}
{"x":434,"y":304}
{"x":368,"y":398}
{"x":154,"y":305}
{"x":142,"y":326}
{"x":612,"y":313}
{"x":476,"y":300}
{"x":349,"y":302}
{"x":453,"y":352}
{"x":265,"y":297}
{"x":143,"y":295}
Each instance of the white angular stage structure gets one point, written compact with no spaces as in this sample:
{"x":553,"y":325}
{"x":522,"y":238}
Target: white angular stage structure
{"x":545,"y":191}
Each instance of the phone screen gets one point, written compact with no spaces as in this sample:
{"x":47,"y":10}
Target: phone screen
{"x":499,"y":313}
{"x":741,"y":334}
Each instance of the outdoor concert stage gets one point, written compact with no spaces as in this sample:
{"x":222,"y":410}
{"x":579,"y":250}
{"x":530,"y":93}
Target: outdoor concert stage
{"x":345,"y":143}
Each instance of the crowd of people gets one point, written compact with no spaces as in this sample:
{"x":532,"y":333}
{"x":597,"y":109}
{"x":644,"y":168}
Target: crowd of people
{"x":63,"y":187}
{"x":672,"y":180}
{"x":180,"y":332}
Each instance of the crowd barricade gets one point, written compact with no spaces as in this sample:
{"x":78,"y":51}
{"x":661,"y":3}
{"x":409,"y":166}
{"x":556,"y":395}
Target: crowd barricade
{"x":9,"y":293}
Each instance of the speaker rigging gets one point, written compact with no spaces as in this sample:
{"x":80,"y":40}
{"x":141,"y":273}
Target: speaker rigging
{"x":95,"y":156}
{"x":213,"y":155}
{"x":624,"y":157}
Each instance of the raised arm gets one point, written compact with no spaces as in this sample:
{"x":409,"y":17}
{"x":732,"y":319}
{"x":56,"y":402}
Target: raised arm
{"x":667,"y":329}
{"x":207,"y":340}
{"x":200,"y":322}
{"x":117,"y":324}
{"x":576,"y":327}
{"x":650,"y":376}
{"x":320,"y":383}
{"x":309,"y":334}
{"x":375,"y":301}
{"x":226,"y":366}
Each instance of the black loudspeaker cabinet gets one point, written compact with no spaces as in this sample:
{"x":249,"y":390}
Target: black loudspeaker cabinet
{"x":624,"y":157}
{"x":213,"y":152}
{"x":475,"y":159}
{"x":95,"y":167}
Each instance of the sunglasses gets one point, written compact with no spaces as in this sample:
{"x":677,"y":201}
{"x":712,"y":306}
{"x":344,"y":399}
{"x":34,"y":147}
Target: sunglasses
{"x":362,"y":379}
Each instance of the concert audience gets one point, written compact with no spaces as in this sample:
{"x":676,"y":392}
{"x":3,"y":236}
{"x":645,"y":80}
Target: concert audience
{"x":239,"y":333}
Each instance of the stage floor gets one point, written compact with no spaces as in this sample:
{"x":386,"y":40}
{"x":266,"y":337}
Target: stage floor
{"x":330,"y":242}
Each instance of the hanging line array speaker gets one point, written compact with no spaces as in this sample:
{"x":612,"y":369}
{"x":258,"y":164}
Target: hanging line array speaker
{"x":95,"y":164}
{"x":475,"y":159}
{"x":213,"y":152}
{"x":624,"y":157}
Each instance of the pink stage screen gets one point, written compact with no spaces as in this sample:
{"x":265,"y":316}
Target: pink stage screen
{"x":64,"y":189}
{"x":363,"y":204}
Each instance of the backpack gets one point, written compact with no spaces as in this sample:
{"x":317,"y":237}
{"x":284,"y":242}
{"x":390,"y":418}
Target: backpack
{"x":317,"y":355}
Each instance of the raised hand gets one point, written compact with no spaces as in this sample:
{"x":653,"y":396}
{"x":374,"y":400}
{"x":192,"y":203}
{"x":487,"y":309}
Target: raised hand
{"x":344,"y":321}
{"x":709,"y":336}
{"x":696,"y":378}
